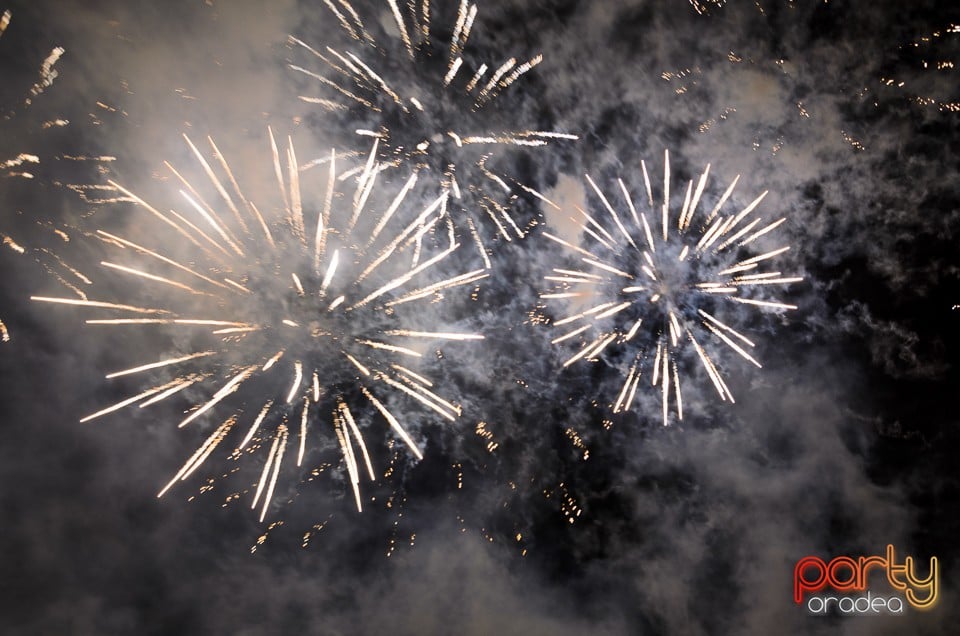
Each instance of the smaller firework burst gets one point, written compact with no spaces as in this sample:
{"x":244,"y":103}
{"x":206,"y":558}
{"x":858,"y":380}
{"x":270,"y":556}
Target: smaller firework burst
{"x":431,"y":113}
{"x":649,"y":284}
{"x":297,"y":319}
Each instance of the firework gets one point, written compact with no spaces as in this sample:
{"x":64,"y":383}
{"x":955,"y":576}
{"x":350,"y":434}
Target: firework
{"x":10,"y":243}
{"x":298,"y":321}
{"x":648,"y":281}
{"x":20,"y":166}
{"x":48,"y":73}
{"x":930,"y":61}
{"x":429,"y":116}
{"x":703,"y":7}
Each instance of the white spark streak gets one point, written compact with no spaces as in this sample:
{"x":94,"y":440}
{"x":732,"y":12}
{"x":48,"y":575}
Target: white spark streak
{"x":161,"y":363}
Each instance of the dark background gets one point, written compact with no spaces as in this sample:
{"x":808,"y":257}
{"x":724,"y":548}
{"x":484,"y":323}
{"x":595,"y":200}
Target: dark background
{"x":844,"y":442}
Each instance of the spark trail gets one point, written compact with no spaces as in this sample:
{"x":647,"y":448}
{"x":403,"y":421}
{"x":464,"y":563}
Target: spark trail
{"x":300,"y":322}
{"x":925,"y":69}
{"x":650,"y":283}
{"x":21,"y":165}
{"x":426,"y":104}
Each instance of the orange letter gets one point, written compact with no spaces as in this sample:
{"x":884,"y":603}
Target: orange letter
{"x":893,"y":569}
{"x":931,"y":584}
{"x":843,"y":562}
{"x":865,"y":564}
{"x":801,"y":584}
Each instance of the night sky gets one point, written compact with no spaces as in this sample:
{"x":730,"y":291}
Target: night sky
{"x":538,"y":510}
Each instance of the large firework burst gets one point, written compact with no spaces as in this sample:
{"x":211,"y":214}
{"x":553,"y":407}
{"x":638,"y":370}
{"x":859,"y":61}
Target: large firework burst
{"x":646,"y":290}
{"x":429,"y":106}
{"x":297,"y":319}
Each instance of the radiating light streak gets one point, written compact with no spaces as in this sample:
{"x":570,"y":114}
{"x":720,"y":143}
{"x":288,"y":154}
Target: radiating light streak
{"x":297,"y":284}
{"x":575,"y":317}
{"x":763,"y":303}
{"x":276,"y":456}
{"x":297,"y":379}
{"x":733,"y":345}
{"x":166,"y":321}
{"x":405,"y":278}
{"x":161,"y":363}
{"x":303,"y":430}
{"x":427,"y":398}
{"x":346,"y":448}
{"x":438,"y":335}
{"x":256,"y":424}
{"x":463,"y":279}
{"x":176,"y":226}
{"x":331,"y":270}
{"x":612,"y":311}
{"x":98,"y":305}
{"x":173,"y":390}
{"x":232,"y":385}
{"x":201,"y":454}
{"x":161,"y":258}
{"x":415,"y":376}
{"x":153,"y":277}
{"x":237,"y":286}
{"x":726,"y":328}
{"x":129,"y":401}
{"x":573,"y":333}
{"x":392,"y":247}
{"x":568,"y":245}
{"x":348,"y":416}
{"x":394,"y":423}
{"x":584,"y":351}
{"x":633,"y":330}
{"x":389,"y":347}
{"x":609,"y":268}
{"x":613,"y":213}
